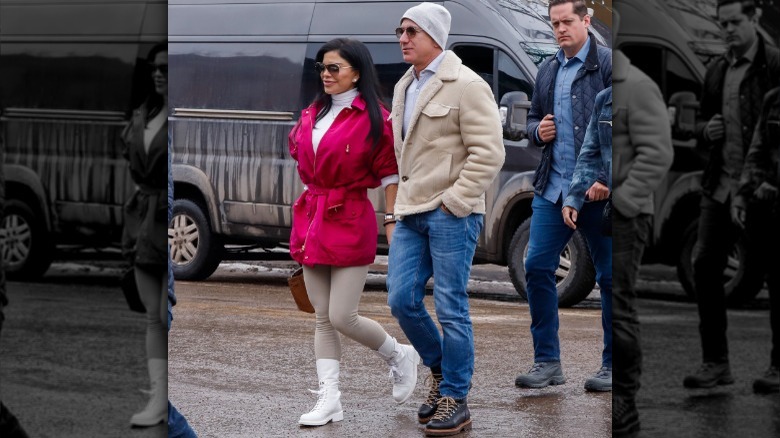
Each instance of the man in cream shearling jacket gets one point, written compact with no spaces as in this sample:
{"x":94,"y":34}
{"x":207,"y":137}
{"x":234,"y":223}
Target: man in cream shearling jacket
{"x":449,"y":146}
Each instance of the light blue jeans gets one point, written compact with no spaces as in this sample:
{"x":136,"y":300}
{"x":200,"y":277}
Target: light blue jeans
{"x":441,"y":245}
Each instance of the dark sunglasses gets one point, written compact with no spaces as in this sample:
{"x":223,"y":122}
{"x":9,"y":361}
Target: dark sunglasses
{"x":162,"y":67}
{"x":332,"y":68}
{"x":411,"y":31}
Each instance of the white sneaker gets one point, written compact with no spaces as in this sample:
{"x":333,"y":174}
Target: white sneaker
{"x":403,"y":370}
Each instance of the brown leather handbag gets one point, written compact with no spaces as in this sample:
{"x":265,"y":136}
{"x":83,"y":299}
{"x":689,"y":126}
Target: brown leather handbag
{"x":298,"y":289}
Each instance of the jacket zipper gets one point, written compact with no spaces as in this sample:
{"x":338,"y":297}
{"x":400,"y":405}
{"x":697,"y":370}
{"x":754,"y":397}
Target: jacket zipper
{"x":311,"y":220}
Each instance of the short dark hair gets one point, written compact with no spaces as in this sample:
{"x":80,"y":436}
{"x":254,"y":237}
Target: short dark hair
{"x":748,"y":6}
{"x":580,"y":8}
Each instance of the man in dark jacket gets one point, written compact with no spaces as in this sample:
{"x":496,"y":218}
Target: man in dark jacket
{"x":563,"y":99}
{"x":734,"y":87}
{"x":9,"y":425}
{"x":759,"y":183}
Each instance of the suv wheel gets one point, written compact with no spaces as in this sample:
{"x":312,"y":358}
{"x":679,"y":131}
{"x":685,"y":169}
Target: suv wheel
{"x":741,"y":284}
{"x":195,"y":250}
{"x":575,"y":275}
{"x":28,"y":251}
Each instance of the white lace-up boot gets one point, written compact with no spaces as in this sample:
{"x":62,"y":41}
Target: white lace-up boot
{"x":403,"y":360}
{"x":328,"y":407}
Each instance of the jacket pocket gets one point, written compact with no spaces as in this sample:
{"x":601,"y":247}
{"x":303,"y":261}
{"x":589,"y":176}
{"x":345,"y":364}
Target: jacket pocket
{"x":432,"y":120}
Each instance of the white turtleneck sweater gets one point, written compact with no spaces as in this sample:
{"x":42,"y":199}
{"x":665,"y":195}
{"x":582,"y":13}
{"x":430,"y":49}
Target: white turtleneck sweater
{"x":338,"y":103}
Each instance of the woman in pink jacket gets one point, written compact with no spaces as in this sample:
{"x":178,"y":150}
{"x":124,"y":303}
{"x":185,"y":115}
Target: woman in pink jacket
{"x":343,"y":143}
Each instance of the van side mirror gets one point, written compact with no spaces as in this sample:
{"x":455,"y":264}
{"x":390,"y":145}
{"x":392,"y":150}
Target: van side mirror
{"x":682,"y":109}
{"x":514,"y":109}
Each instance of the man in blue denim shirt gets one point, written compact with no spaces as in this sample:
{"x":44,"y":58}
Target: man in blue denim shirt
{"x":177,"y":424}
{"x":563,"y":99}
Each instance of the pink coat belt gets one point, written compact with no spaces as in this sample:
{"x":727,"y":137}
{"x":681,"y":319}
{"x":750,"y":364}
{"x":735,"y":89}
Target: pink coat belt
{"x":335,"y":197}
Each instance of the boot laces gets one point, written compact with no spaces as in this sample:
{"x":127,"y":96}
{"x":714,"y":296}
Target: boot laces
{"x":603,"y":373}
{"x":447,"y":407}
{"x":433,"y":390}
{"x":321,"y":394}
{"x":536,"y":368}
{"x":395,"y":372}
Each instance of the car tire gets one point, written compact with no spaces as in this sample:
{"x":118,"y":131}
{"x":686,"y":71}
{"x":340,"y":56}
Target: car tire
{"x":195,"y":250}
{"x":575,"y":276}
{"x":741,"y":283}
{"x":28,"y":250}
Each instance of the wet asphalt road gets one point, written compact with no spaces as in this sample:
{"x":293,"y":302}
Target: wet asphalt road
{"x":71,"y":362}
{"x":242,"y":362}
{"x":72,"y":358}
{"x":671,"y":351}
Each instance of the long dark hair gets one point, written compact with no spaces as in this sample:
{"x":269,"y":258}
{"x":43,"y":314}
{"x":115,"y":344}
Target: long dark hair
{"x":154,"y":102}
{"x":358,"y":56}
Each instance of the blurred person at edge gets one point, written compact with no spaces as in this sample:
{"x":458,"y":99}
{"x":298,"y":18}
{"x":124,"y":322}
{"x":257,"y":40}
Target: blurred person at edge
{"x":178,"y":427}
{"x":343,"y":144}
{"x":144,"y":238}
{"x":441,"y":109}
{"x":9,"y":425}
{"x":564,"y":95}
{"x":734,"y":86}
{"x":643,"y":153}
{"x":759,"y":183}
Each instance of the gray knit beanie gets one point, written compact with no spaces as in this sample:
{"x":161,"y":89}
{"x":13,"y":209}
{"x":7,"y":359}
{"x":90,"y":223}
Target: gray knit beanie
{"x":433,"y":19}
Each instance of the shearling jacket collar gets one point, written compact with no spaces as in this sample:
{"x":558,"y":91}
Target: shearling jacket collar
{"x":448,"y":71}
{"x":620,"y":66}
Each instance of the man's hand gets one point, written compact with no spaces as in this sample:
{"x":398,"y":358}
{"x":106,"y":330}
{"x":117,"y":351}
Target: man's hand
{"x":389,"y":228}
{"x":547,"y":129}
{"x":765,"y":192}
{"x":597,"y":192}
{"x":570,"y":217}
{"x":715,"y":129}
{"x":738,"y":212}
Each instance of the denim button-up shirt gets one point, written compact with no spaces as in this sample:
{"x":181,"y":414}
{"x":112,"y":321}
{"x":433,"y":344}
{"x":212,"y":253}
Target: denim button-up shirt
{"x":564,"y":155}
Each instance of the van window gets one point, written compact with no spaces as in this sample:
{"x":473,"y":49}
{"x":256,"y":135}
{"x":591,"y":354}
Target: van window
{"x":250,"y":76}
{"x":97,"y":75}
{"x":665,"y":67}
{"x":678,"y":76}
{"x":481,"y":60}
{"x":510,"y":77}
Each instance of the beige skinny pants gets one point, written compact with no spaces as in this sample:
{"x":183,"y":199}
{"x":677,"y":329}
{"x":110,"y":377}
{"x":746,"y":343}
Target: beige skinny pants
{"x":335,"y":294}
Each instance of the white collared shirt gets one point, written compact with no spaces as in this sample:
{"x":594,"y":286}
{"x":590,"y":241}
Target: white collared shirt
{"x":416,"y":86}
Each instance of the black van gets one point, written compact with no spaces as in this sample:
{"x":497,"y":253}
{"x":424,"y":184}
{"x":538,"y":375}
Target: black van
{"x":241,"y":71}
{"x":70,"y":75}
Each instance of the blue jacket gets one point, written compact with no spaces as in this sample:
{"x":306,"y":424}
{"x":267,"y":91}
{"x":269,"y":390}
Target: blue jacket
{"x":595,"y":153}
{"x":594,"y":76}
